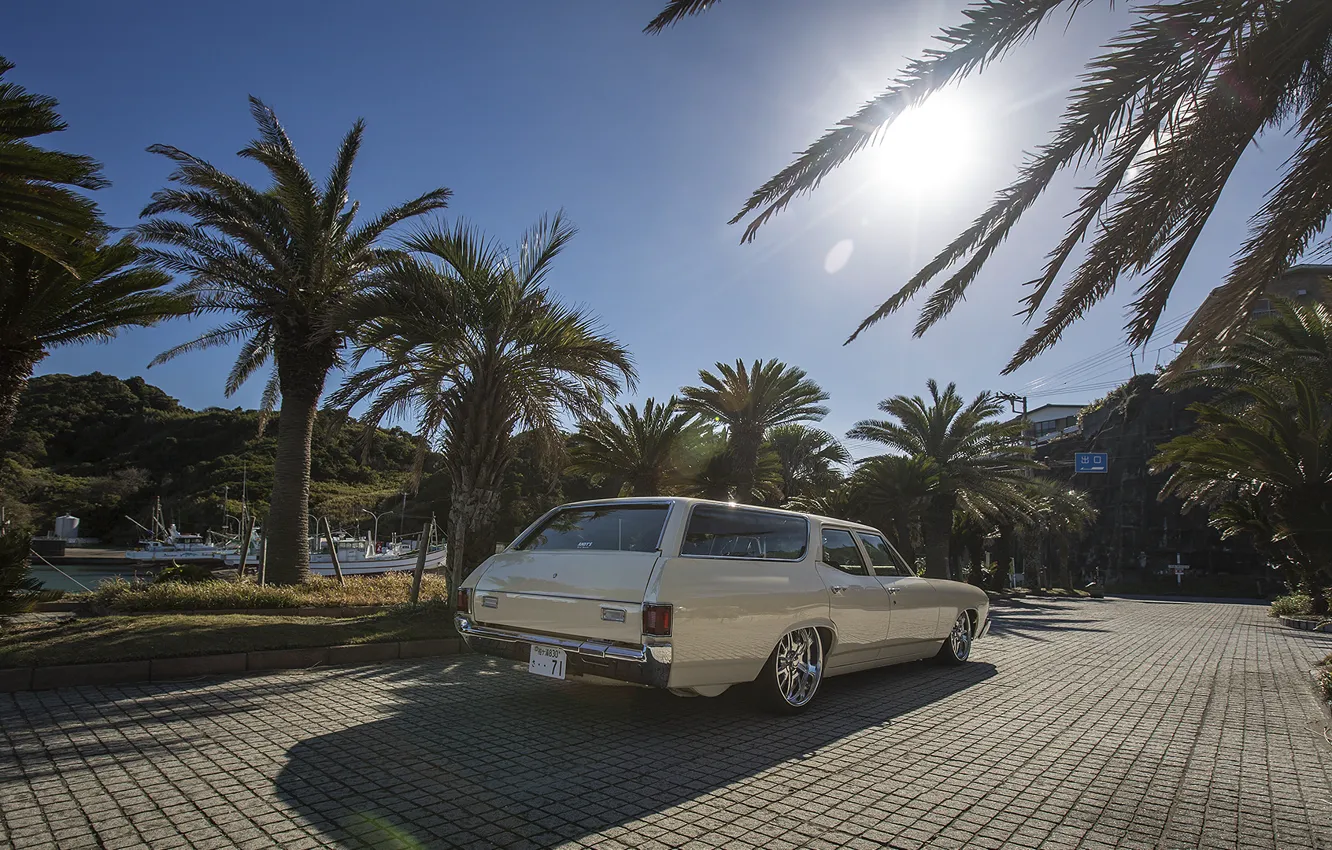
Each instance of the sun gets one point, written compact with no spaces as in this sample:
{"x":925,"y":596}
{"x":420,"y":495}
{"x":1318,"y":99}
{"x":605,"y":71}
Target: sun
{"x":929,"y":148}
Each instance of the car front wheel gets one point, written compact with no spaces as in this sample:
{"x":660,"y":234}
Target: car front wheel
{"x":793,"y":672}
{"x":957,"y":648}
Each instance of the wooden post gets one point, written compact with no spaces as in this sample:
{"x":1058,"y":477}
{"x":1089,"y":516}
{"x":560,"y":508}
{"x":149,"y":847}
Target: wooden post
{"x":263,"y":558}
{"x":333,"y":551}
{"x":245,"y":547}
{"x":427,"y":532}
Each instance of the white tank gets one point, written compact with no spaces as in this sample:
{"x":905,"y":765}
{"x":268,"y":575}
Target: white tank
{"x":67,"y":527}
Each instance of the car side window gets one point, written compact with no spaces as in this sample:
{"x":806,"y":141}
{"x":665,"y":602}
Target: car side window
{"x":840,"y":551}
{"x":720,"y":532}
{"x":880,"y":554}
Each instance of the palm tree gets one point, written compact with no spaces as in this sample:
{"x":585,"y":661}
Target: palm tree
{"x":892,"y":492}
{"x":644,"y":449}
{"x":1059,"y":517}
{"x":980,"y":461}
{"x":93,"y":291}
{"x":1276,"y":453}
{"x":284,"y":260}
{"x":1260,"y":458}
{"x":472,"y":345}
{"x":750,"y":401}
{"x":807,"y":456}
{"x":39,"y":208}
{"x":1163,"y":113}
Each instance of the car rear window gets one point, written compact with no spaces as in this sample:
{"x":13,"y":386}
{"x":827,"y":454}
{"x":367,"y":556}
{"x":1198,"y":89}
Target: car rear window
{"x":719,"y":532}
{"x":619,"y":528}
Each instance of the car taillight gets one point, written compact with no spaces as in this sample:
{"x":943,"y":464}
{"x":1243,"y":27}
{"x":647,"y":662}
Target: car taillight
{"x":657,"y":620}
{"x":464,"y":600}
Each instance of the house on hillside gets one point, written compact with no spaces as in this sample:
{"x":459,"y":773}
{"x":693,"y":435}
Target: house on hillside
{"x":1303,"y":284}
{"x":1050,"y":421}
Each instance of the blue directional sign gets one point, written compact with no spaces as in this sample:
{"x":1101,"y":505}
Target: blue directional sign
{"x":1091,"y":462}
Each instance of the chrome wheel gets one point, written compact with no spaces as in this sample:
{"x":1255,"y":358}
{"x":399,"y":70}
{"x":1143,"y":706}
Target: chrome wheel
{"x":799,"y":666}
{"x":959,"y":640}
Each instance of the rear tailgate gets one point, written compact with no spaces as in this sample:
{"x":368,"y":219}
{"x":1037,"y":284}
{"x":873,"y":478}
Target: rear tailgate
{"x":585,"y":594}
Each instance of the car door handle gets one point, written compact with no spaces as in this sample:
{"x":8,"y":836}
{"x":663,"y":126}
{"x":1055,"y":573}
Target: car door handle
{"x":838,"y":589}
{"x":892,"y":589}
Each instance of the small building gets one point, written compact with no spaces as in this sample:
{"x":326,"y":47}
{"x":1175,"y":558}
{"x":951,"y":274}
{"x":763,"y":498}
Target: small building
{"x":1052,"y":420}
{"x":1302,"y":284}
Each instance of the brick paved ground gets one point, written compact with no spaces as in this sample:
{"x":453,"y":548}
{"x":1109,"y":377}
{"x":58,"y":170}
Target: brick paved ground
{"x":1078,"y":724}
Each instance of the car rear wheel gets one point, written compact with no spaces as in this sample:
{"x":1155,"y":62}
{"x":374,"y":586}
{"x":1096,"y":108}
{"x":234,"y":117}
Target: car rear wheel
{"x":957,"y":649}
{"x":793,"y":672}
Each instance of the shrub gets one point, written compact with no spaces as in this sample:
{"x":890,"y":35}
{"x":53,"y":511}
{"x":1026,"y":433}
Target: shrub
{"x":1294,"y":605}
{"x":18,"y":589}
{"x":217,"y":594}
{"x":184,"y":573}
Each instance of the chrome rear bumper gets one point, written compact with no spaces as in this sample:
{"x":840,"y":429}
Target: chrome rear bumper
{"x":985,"y":629}
{"x":648,"y":664}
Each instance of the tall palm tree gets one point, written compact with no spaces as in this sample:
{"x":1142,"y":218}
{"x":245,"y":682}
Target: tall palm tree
{"x":892,"y":492}
{"x":1163,"y":112}
{"x":284,"y":260}
{"x":642,"y":448}
{"x":980,"y":460}
{"x":472,"y":345}
{"x":807,"y":456}
{"x":39,"y":208}
{"x":93,"y":291}
{"x":750,"y":401}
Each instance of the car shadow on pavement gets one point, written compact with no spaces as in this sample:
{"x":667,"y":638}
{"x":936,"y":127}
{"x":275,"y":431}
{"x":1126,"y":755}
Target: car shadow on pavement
{"x":480,"y":752}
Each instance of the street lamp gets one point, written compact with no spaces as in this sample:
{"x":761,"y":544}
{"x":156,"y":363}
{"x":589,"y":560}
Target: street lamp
{"x":375,"y":534}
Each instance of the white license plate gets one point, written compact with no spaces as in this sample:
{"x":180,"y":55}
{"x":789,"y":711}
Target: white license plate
{"x":546,"y":661}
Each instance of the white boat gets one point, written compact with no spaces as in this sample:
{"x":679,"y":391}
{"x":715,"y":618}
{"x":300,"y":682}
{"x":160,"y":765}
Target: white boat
{"x":358,"y":556}
{"x":175,"y":545}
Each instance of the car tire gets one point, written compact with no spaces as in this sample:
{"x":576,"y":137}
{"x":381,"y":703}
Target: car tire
{"x":792,"y":674}
{"x":956,"y":648}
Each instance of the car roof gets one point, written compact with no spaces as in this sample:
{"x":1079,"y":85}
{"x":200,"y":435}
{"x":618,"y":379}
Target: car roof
{"x":686,"y":500}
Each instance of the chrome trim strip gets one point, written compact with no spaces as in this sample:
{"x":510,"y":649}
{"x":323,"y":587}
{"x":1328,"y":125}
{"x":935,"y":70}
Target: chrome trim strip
{"x":591,"y":649}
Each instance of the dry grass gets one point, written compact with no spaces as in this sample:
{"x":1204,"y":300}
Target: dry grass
{"x":94,"y":639}
{"x":219,"y":594}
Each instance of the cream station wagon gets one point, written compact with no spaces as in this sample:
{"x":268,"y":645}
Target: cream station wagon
{"x":696,"y":596}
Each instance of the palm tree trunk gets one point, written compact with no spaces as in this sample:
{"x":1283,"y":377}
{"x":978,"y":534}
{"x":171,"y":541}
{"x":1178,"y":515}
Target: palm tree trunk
{"x":15,"y":368}
{"x":938,"y":528}
{"x":744,"y":456}
{"x":1003,"y":559}
{"x":302,"y":382}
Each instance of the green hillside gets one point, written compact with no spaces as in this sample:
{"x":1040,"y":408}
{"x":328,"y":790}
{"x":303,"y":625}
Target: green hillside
{"x":102,"y":448}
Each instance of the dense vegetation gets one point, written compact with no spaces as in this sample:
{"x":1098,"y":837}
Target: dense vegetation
{"x":101,"y":448}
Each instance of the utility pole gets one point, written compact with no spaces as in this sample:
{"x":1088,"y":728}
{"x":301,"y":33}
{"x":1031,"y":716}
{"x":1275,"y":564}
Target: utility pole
{"x":1029,"y":438}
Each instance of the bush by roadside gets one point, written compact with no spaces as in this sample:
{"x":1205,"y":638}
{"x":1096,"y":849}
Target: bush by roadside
{"x":1325,"y":678}
{"x":1293,"y":605}
{"x":120,"y":596}
{"x":18,"y":589}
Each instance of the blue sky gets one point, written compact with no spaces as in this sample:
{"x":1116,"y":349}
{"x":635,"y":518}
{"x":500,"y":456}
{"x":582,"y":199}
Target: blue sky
{"x":648,"y":143}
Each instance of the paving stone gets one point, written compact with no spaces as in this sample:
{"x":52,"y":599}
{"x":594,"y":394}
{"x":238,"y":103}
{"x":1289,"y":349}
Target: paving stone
{"x":1081,"y":724}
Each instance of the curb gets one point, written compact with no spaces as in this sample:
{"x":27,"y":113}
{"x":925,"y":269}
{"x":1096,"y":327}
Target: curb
{"x":335,"y":612}
{"x":1307,"y":625}
{"x":15,"y":679}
